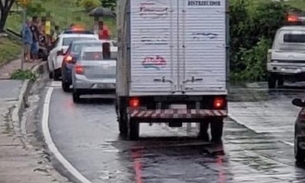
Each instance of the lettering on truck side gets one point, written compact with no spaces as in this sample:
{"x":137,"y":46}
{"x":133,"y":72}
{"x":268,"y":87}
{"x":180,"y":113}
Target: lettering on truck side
{"x":204,"y":3}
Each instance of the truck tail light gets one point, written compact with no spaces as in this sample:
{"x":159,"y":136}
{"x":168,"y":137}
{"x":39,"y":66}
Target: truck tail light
{"x":134,"y":102}
{"x":79,"y":69}
{"x":219,"y":102}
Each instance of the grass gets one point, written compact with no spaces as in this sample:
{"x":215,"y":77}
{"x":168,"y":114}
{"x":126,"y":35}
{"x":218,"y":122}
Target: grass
{"x":9,"y":49}
{"x":63,"y":13}
{"x":300,"y":4}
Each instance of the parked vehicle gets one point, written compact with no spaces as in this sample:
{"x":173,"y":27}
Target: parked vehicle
{"x":94,"y":72}
{"x":172,"y":67}
{"x":73,"y":50}
{"x":286,"y":59}
{"x":299,"y":131}
{"x":61,"y":45}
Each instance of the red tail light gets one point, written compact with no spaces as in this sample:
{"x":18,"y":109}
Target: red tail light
{"x":293,"y":18}
{"x":219,"y":102}
{"x":134,"y":102}
{"x":79,"y":69}
{"x":68,"y":59}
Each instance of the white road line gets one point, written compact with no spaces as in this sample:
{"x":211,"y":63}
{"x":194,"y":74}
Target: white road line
{"x":49,"y":141}
{"x":288,"y":143}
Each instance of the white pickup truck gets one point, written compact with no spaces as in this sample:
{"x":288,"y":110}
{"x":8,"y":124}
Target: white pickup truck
{"x":172,"y":64}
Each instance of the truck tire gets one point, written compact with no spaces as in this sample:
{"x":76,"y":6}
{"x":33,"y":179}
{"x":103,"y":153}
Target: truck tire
{"x":134,"y":129}
{"x":216,"y":130}
{"x":299,"y":153}
{"x":122,"y":119}
{"x":203,"y":131}
{"x":271,"y":81}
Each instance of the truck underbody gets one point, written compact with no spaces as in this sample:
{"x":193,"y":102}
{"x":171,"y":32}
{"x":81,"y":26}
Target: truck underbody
{"x":173,"y":110}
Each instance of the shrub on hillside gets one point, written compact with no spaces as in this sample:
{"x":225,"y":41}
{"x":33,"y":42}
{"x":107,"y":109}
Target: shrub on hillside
{"x":252,"y":28}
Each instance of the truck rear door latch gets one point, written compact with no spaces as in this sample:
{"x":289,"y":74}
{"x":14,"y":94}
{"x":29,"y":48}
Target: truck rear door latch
{"x":163,"y":80}
{"x":193,"y":80}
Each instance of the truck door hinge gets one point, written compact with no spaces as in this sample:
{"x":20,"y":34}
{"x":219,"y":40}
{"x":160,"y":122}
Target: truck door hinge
{"x":163,"y":80}
{"x":193,"y":79}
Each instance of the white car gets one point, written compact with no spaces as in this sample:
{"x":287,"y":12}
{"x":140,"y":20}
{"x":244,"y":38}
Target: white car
{"x":61,"y":44}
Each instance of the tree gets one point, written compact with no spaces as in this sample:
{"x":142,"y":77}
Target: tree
{"x":5,"y":7}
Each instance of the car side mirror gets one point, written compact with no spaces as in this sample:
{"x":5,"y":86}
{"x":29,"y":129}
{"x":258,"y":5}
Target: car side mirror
{"x":298,"y":102}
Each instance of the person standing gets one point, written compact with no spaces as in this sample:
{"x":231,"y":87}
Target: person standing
{"x":35,"y":32}
{"x":27,"y":38}
{"x":104,"y":32}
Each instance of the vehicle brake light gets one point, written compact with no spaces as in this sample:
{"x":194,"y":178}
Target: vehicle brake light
{"x":79,"y":69}
{"x":134,"y":102}
{"x":68,"y":59}
{"x":219,"y":102}
{"x":293,"y":18}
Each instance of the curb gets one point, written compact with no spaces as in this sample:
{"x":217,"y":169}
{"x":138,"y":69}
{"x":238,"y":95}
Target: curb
{"x":22,"y":99}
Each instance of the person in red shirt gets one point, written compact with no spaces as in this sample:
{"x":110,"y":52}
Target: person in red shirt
{"x":104,"y":32}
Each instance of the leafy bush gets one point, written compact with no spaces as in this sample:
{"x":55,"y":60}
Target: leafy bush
{"x":24,"y":74}
{"x":252,"y":28}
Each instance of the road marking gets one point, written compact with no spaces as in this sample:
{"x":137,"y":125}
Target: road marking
{"x":56,"y":84}
{"x":49,"y":141}
{"x":288,"y":143}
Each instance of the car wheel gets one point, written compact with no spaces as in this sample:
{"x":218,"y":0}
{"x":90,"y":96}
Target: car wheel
{"x":299,"y":153}
{"x":50,"y":74}
{"x":134,"y":130}
{"x":271,"y":81}
{"x":203,"y":131}
{"x":76,"y":96}
{"x":280,"y":81}
{"x":216,"y":129}
{"x":56,"y":75}
{"x":65,"y":86}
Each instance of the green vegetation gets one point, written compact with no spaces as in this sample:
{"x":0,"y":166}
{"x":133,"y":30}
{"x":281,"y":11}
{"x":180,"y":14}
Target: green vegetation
{"x":24,"y":74}
{"x":297,"y":4}
{"x":9,"y":49}
{"x":62,"y":13}
{"x":252,"y":27}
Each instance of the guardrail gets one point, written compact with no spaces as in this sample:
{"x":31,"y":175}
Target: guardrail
{"x":13,"y":33}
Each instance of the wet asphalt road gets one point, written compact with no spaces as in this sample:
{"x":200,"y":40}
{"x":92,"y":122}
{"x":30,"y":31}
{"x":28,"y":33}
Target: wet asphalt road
{"x":258,"y":142}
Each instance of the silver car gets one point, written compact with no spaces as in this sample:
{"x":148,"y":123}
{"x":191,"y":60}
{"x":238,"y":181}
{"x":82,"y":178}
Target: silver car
{"x":94,"y":72}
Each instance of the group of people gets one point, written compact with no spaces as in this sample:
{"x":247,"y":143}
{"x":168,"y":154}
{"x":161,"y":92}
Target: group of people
{"x":37,"y":32}
{"x":31,"y":34}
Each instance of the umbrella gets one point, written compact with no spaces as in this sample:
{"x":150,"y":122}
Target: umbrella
{"x":101,"y":12}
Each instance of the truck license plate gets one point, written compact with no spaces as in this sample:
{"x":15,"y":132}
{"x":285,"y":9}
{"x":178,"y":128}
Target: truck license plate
{"x":178,"y":106}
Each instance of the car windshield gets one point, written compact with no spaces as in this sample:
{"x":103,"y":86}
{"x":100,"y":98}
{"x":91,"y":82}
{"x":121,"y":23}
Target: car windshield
{"x":77,"y":47}
{"x":68,"y":40}
{"x":292,"y":42}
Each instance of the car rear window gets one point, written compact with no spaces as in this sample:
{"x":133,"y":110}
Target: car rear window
{"x":76,"y":48}
{"x":93,"y":55}
{"x":68,"y":40}
{"x":294,"y":38}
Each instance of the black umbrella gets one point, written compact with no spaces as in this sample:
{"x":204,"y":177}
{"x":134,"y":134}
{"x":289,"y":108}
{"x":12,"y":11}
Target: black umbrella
{"x":101,"y":12}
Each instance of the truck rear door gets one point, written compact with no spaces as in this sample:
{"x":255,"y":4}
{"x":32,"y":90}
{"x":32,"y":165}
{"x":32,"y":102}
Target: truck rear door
{"x":202,"y":44}
{"x":153,"y":49}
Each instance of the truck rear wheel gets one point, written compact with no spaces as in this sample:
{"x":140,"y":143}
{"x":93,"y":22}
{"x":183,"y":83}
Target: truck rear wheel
{"x":123,"y":123}
{"x":134,"y":129}
{"x":216,"y":130}
{"x":203,"y":131}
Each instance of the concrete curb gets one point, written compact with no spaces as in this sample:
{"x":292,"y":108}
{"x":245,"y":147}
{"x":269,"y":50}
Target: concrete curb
{"x":22,"y":100}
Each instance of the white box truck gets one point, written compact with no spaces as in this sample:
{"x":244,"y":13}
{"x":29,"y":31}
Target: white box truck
{"x":172,"y":64}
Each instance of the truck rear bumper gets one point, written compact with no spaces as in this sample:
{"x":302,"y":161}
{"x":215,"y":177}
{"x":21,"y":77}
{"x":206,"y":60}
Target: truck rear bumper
{"x":168,"y":115}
